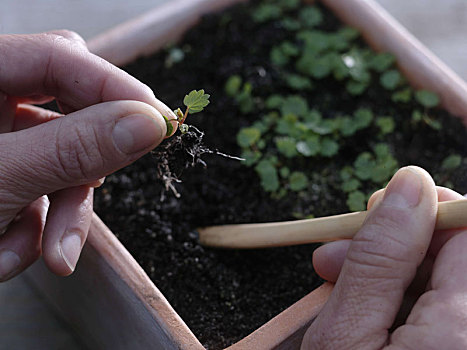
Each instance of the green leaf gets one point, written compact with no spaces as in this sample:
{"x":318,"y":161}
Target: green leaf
{"x":296,"y":105}
{"x":286,"y":146}
{"x":169,"y":126}
{"x":266,"y":12}
{"x":356,"y":88}
{"x":427,"y":98}
{"x":346,"y":173}
{"x":382,"y":61}
{"x":364,"y":165}
{"x":321,"y":67}
{"x":315,"y":41}
{"x":298,"y":82}
{"x":386,"y":125}
{"x":233,"y":85}
{"x":311,"y":16}
{"x":278,"y":57}
{"x":348,"y":127}
{"x":268,"y":175}
{"x":289,"y":4}
{"x":284,"y":172}
{"x":390,"y":79}
{"x":247,"y":137}
{"x":195,"y":101}
{"x":298,"y":181}
{"x":274,"y":101}
{"x":290,"y":24}
{"x":329,"y":147}
{"x":363,"y":117}
{"x":286,"y":124}
{"x":310,"y":147}
{"x":356,"y":201}
{"x":251,"y":157}
{"x":350,"y":185}
{"x":451,"y":162}
{"x":402,"y":95}
{"x":348,"y":33}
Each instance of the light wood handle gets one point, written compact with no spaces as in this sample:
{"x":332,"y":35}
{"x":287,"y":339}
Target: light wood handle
{"x":451,"y":214}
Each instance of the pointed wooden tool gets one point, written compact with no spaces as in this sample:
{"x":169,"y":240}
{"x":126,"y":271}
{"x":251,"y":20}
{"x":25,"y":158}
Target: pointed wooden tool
{"x":451,"y":214}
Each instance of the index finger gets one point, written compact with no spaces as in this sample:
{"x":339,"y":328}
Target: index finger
{"x":52,"y":65}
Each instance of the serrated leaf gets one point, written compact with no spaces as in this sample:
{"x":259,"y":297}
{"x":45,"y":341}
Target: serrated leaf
{"x":195,"y":101}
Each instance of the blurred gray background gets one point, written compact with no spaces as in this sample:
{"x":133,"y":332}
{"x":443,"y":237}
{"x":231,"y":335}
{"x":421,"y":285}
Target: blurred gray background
{"x":26,"y":323}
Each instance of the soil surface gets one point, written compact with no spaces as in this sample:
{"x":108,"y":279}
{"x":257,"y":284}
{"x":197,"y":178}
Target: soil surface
{"x":223,"y":295}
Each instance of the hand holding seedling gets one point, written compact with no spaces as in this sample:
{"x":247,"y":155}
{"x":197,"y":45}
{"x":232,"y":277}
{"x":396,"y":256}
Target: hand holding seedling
{"x":398,"y":285}
{"x":50,"y":162}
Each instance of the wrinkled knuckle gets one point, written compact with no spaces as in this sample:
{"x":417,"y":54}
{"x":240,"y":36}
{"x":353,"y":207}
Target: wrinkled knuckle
{"x":77,"y":156}
{"x":68,"y":35}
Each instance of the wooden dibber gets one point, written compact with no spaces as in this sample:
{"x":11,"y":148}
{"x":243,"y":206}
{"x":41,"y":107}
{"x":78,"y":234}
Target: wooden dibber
{"x":451,"y":214}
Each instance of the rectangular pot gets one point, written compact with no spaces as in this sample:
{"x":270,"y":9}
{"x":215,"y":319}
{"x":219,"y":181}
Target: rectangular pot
{"x":110,"y":301}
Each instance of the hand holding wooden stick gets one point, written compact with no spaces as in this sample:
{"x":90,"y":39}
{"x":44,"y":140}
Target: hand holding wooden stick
{"x":451,"y":214}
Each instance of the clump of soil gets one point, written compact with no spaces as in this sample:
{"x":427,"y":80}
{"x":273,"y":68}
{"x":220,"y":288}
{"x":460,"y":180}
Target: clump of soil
{"x":223,"y":295}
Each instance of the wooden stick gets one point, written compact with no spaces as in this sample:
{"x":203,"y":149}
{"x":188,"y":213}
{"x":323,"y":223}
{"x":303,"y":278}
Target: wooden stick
{"x":451,"y":214}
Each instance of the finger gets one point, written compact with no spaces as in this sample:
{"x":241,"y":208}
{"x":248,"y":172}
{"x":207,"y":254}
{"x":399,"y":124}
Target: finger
{"x":35,"y":99}
{"x":329,"y":258}
{"x":68,"y":222}
{"x":7,"y":113}
{"x":441,"y":237}
{"x":20,"y":246}
{"x":75,"y":77}
{"x":76,"y":149}
{"x":381,"y":262}
{"x":375,"y":199}
{"x":442,"y":309}
{"x":28,"y":116}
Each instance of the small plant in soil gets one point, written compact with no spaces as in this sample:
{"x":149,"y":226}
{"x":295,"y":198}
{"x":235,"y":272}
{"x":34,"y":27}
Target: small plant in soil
{"x":184,"y":150}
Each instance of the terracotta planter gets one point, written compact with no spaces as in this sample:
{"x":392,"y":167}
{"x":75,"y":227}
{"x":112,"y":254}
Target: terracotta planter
{"x":109,"y":300}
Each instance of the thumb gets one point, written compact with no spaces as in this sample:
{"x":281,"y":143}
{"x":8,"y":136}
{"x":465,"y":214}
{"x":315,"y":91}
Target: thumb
{"x":380,"y":264}
{"x":76,"y":149}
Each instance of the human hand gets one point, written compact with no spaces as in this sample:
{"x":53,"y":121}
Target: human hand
{"x":112,"y":120}
{"x":398,"y":286}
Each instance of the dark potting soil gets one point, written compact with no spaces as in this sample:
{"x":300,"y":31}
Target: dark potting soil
{"x":223,"y":295}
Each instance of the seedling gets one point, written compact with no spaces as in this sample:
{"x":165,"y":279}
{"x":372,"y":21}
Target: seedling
{"x":195,"y":102}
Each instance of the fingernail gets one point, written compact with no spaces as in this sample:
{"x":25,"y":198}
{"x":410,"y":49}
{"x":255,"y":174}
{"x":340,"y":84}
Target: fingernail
{"x":70,"y":249}
{"x":9,"y":264}
{"x":136,"y":132}
{"x":403,"y":191}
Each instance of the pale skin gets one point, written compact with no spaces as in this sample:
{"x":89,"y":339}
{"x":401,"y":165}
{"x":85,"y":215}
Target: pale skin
{"x":399,"y":285}
{"x":51,"y":162}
